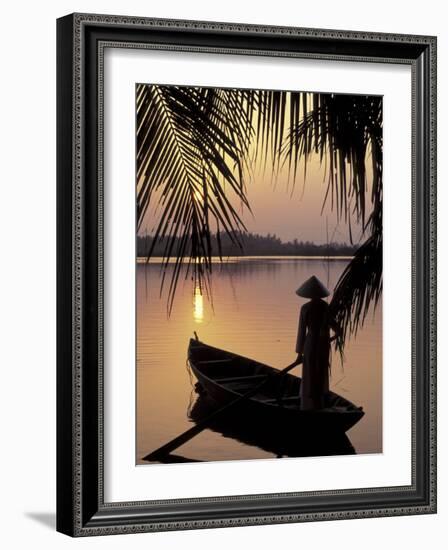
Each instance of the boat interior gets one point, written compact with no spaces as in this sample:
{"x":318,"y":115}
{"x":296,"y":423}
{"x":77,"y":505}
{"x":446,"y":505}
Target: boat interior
{"x":240,"y":375}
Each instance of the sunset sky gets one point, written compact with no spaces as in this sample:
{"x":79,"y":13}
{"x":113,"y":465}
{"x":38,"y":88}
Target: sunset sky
{"x":294,"y":211}
{"x":290,"y":212}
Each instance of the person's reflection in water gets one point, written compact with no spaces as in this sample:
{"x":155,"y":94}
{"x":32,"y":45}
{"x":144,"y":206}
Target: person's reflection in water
{"x":313,"y":344}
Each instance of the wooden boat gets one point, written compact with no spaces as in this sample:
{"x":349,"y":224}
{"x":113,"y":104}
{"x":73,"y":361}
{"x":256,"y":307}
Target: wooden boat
{"x":225,"y":376}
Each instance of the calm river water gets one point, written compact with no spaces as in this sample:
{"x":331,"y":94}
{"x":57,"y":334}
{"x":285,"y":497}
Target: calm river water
{"x":255,"y":313}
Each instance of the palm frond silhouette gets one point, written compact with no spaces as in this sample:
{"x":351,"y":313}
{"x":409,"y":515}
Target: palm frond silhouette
{"x":195,"y":147}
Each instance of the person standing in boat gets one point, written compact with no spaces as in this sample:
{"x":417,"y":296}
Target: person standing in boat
{"x":313,"y":344}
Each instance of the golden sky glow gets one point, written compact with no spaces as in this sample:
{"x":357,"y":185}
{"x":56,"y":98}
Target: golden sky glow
{"x":281,"y":208}
{"x":286,"y":210}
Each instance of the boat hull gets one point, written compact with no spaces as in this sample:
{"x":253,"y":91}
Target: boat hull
{"x":279,"y":438}
{"x":224,"y":376}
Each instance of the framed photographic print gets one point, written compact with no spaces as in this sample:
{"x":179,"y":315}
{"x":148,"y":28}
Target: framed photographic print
{"x":246,"y":274}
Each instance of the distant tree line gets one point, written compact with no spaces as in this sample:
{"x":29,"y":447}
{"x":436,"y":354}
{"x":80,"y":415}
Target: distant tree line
{"x":254,"y":245}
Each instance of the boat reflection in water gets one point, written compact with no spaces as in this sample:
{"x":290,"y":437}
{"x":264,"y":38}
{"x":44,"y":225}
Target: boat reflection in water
{"x":272,"y":437}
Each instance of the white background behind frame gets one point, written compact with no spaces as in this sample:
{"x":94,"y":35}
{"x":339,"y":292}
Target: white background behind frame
{"x":28,"y":505}
{"x":123,"y":481}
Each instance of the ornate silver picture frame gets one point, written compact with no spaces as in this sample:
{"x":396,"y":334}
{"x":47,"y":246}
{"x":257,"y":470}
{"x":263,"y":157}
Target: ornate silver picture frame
{"x":81,"y":506}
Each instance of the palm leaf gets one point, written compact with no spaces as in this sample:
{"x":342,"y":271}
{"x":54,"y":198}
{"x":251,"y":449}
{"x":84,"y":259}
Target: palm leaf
{"x":186,"y":140}
{"x":348,"y":131}
{"x":341,"y":128}
{"x":359,"y":286}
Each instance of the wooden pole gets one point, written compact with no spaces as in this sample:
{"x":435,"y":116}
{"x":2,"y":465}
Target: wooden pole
{"x":198,"y":428}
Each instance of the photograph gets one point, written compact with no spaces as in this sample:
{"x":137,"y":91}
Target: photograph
{"x":259,"y":259}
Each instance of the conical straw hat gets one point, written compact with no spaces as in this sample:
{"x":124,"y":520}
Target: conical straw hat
{"x":312,"y":288}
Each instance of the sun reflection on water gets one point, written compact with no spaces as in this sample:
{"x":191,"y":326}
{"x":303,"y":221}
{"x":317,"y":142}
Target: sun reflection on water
{"x":198,"y":305}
